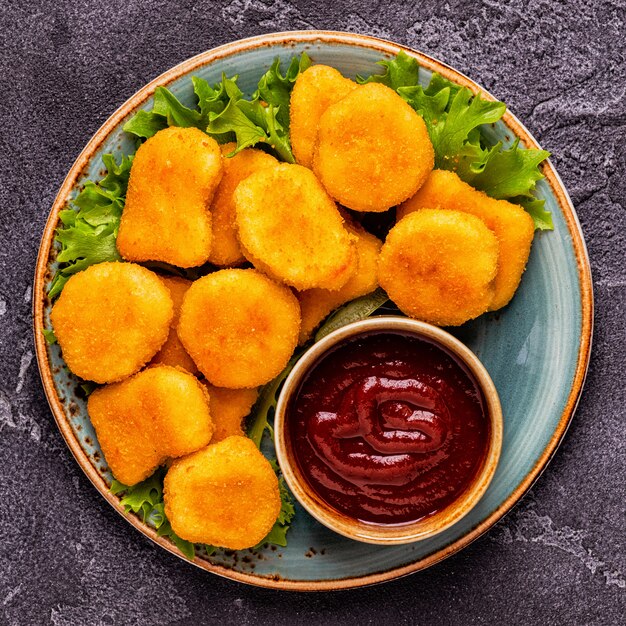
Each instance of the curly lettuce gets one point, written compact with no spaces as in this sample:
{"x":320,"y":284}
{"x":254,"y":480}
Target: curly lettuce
{"x":145,"y":499}
{"x":223,"y":112}
{"x":89,"y":228}
{"x":455,"y":118}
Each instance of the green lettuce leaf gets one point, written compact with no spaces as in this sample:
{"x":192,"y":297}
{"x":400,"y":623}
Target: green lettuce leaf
{"x":509,"y":173}
{"x":224,"y":113}
{"x":536,"y":209}
{"x":144,"y":124}
{"x":275,"y":89}
{"x":252,"y":122}
{"x":431,"y":106}
{"x":278,"y":534}
{"x":88,"y":230}
{"x":401,"y":71}
{"x":455,"y":119}
{"x":145,"y":499}
{"x":452,"y":131}
{"x":167,"y":110}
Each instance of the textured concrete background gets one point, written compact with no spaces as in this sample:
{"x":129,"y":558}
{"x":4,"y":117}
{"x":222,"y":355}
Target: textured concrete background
{"x":67,"y":558}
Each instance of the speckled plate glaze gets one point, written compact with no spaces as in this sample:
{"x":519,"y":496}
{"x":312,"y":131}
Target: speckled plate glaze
{"x":536,"y":350}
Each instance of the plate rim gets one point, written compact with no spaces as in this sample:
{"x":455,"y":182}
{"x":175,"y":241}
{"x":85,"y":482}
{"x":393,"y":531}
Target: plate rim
{"x":286,"y":38}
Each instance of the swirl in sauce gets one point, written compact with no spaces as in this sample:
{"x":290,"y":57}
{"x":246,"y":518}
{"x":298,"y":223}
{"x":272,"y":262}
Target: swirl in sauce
{"x":388,"y":428}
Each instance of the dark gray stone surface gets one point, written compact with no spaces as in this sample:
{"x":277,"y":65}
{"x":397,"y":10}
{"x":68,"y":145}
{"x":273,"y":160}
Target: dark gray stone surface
{"x":67,"y":558}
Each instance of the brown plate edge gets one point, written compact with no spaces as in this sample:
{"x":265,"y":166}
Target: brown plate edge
{"x":285,"y":38}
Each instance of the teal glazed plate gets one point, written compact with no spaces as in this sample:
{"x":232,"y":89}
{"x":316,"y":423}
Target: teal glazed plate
{"x":536,"y":349}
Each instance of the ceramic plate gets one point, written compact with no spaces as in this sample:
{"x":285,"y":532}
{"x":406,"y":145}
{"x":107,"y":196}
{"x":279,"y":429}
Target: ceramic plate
{"x":536,"y":350}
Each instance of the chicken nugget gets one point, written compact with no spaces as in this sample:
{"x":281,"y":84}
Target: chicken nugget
{"x":226,"y":250}
{"x":160,"y":413}
{"x":315,"y":90}
{"x":173,"y":352}
{"x":240,"y":327}
{"x":166,"y":215}
{"x":439,"y":266}
{"x":373,"y":150}
{"x":510,"y":223}
{"x":225,"y":495}
{"x":290,"y":229}
{"x":316,"y":304}
{"x":229,"y":407}
{"x":111,"y":319}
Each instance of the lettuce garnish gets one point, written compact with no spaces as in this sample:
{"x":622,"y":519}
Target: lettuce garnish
{"x":455,"y":117}
{"x":88,"y":230}
{"x":403,"y":71}
{"x":145,"y":499}
{"x":167,"y":110}
{"x":224,"y":113}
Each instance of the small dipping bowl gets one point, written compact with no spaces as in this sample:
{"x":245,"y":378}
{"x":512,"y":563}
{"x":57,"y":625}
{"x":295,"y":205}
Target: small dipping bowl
{"x":387,"y":533}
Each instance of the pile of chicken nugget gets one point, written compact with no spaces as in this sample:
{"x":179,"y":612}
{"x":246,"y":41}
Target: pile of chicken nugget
{"x":180,"y":362}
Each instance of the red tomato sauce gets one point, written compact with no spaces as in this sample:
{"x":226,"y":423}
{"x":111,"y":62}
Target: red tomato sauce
{"x":388,"y":428}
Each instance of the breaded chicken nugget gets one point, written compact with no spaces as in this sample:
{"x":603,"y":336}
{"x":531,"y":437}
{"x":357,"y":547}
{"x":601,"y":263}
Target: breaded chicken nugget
{"x":173,"y":352}
{"x":172,"y":181}
{"x":111,"y":319}
{"x":439,"y":266}
{"x":373,"y":150}
{"x":159,"y":413}
{"x":513,"y":226}
{"x":315,"y":90}
{"x":225,"y":495}
{"x":290,"y":229}
{"x":316,"y":304}
{"x":226,"y":250}
{"x":240,"y":327}
{"x":229,"y":407}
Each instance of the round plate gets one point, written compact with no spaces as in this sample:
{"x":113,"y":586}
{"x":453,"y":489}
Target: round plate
{"x":536,"y":350}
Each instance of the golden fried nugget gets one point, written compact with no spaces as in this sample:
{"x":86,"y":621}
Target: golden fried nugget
{"x":240,"y":327}
{"x":173,"y":352}
{"x":172,"y":181}
{"x":160,"y":413}
{"x":111,"y":319}
{"x":229,"y":407}
{"x":513,"y":226}
{"x":226,"y":250}
{"x":225,"y":495}
{"x":290,"y":229}
{"x":373,"y":150}
{"x":315,"y":90}
{"x":439,"y":266}
{"x":316,"y":304}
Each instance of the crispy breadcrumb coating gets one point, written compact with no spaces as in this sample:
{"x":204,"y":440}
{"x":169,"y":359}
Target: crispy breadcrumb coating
{"x":229,"y":407}
{"x":160,"y":413}
{"x":315,"y":90}
{"x":240,"y":327}
{"x":111,"y":319}
{"x":316,"y":304}
{"x":373,"y":150}
{"x":226,"y":250}
{"x":290,"y":229}
{"x":513,"y":226}
{"x":439,"y":266}
{"x":225,"y":495}
{"x":173,"y":352}
{"x":166,"y":215}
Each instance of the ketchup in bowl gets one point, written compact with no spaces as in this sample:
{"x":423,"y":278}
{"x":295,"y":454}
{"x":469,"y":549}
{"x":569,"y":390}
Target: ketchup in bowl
{"x":388,"y":427}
